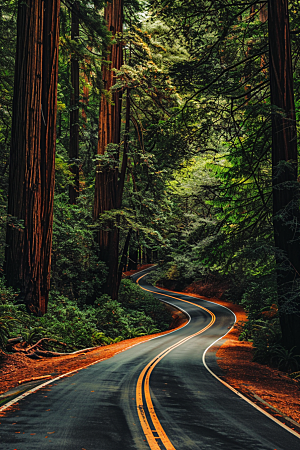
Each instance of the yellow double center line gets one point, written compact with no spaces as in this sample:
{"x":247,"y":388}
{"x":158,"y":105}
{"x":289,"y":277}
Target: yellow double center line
{"x":143,"y":397}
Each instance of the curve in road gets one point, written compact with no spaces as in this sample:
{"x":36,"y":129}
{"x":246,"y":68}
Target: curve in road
{"x":156,"y":433}
{"x":156,"y":395}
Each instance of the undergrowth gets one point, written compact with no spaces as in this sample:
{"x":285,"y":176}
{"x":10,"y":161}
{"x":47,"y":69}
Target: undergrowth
{"x":263,"y":326}
{"x":107,"y":321}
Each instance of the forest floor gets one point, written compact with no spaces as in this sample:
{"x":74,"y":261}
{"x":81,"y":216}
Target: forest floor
{"x":269,"y":388}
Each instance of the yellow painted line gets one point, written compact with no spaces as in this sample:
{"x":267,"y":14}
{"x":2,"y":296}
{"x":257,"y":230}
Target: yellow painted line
{"x":143,"y":385}
{"x":176,"y":298}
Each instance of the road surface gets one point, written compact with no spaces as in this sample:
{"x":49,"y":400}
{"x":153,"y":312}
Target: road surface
{"x":156,"y":395}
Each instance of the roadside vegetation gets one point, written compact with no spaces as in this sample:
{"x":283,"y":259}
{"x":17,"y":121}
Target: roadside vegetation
{"x":200,"y":173}
{"x":66,"y":327}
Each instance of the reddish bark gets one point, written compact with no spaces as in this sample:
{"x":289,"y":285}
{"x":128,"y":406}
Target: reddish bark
{"x":31,"y":178}
{"x":85,"y":99}
{"x":48,"y":138}
{"x":108,"y":191}
{"x":74,"y":111}
{"x":263,"y":12}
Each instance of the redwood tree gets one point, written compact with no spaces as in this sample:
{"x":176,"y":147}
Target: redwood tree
{"x":31,"y":178}
{"x":74,"y":110}
{"x":285,"y":168}
{"x":108,"y":187}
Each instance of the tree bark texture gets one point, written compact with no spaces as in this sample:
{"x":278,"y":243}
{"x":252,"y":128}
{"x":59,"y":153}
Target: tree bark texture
{"x":107,"y":188}
{"x":74,"y":111}
{"x":284,"y":161}
{"x":31,"y":176}
{"x":263,"y":12}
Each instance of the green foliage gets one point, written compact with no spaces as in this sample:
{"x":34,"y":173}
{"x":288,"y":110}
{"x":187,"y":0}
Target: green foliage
{"x":33,"y":334}
{"x":99,"y":338}
{"x":133,"y":315}
{"x":66,"y":322}
{"x":106,"y":322}
{"x":274,"y":354}
{"x":8,"y":318}
{"x":286,"y":359}
{"x":112,"y":318}
{"x":262,"y":327}
{"x":146,"y":330}
{"x":77,"y":272}
{"x":7,"y":51}
{"x":133,"y":298}
{"x":260,"y":295}
{"x":198,"y":187}
{"x":6,"y":326}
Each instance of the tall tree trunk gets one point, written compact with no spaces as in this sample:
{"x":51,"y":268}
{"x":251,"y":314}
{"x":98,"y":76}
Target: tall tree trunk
{"x":284,"y":160}
{"x":48,"y":137}
{"x":107,"y":189}
{"x":31,"y":176}
{"x":85,"y":100}
{"x":121,"y":182}
{"x":74,"y":111}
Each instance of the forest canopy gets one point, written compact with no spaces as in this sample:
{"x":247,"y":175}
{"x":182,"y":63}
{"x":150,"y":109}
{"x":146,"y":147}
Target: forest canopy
{"x":137,"y":132}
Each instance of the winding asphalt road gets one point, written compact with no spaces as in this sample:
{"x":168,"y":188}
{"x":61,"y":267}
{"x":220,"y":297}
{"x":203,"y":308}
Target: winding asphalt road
{"x":160,"y":394}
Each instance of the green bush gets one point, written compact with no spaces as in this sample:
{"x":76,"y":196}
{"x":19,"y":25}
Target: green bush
{"x":133,"y":298}
{"x":76,"y":271}
{"x":106,"y":322}
{"x":266,"y":338}
{"x":6,"y":325}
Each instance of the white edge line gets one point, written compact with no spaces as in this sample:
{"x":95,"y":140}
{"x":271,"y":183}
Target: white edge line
{"x":290,"y":430}
{"x":40,"y":386}
{"x":144,"y":270}
{"x":177,"y":329}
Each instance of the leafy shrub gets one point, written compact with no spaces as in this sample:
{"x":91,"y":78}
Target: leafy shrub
{"x":99,"y":338}
{"x":6,"y":323}
{"x":181,"y":270}
{"x":106,"y":322}
{"x":33,"y":334}
{"x":6,"y":294}
{"x":65,"y":321}
{"x":262,"y":327}
{"x":260,"y":294}
{"x":111,"y":319}
{"x":146,"y":330}
{"x":286,"y":359}
{"x":133,"y":298}
{"x":267,"y":348}
{"x":76,"y":271}
{"x":8,"y":313}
